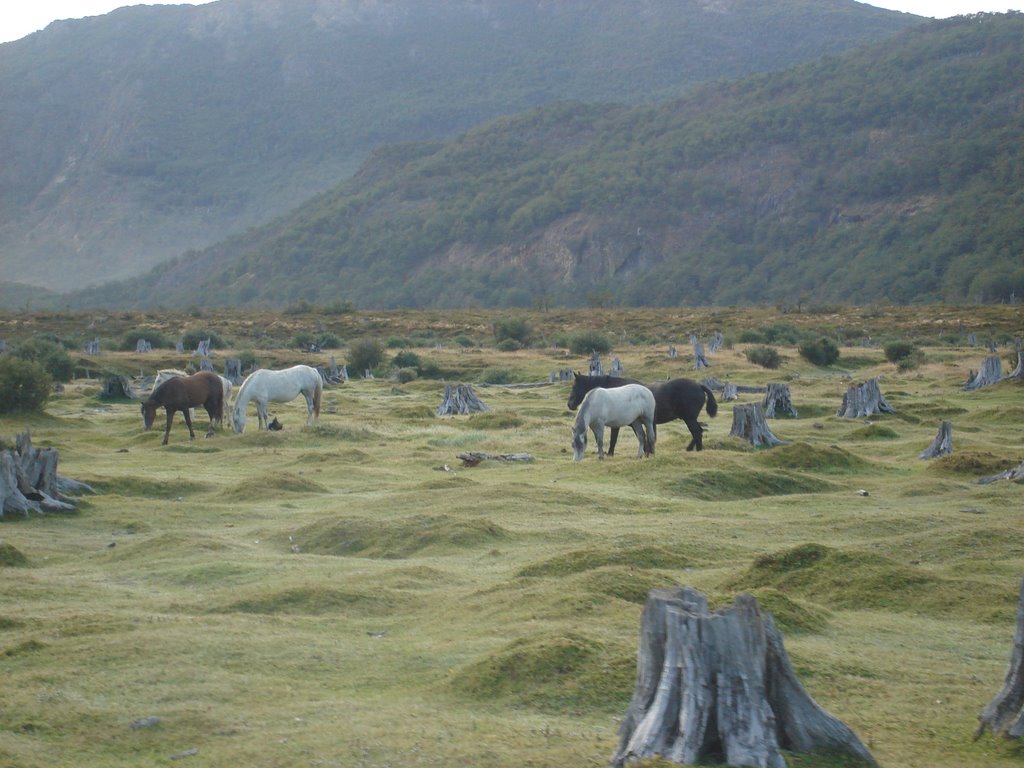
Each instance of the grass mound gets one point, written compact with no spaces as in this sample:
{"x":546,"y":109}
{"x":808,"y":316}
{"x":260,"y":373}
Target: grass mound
{"x":808,"y":458}
{"x":270,"y":485}
{"x":731,"y":486}
{"x":366,"y":537}
{"x":969,"y":464}
{"x":318,"y":601}
{"x":855,"y":580}
{"x":591,"y":559}
{"x":793,"y":617}
{"x":493,"y":420}
{"x":11,"y":556}
{"x":129,"y":485}
{"x":874,"y":432}
{"x":552,"y":672}
{"x":622,"y":583}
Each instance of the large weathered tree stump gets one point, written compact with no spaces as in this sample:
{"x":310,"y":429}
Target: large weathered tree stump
{"x":748,"y":423}
{"x":1018,"y":372}
{"x":1005,"y":713}
{"x":460,"y":399}
{"x":862,"y":400}
{"x":29,"y":481}
{"x":991,"y":372}
{"x":720,"y":687}
{"x":778,"y":402}
{"x":942,"y":445}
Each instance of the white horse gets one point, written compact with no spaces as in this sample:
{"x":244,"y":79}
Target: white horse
{"x":631,"y":405}
{"x":164,"y":374}
{"x":265,"y":385}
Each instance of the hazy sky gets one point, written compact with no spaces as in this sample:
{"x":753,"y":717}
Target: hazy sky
{"x":23,"y":17}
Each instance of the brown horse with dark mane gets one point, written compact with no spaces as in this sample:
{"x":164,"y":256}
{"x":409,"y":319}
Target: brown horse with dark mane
{"x":184,"y":392}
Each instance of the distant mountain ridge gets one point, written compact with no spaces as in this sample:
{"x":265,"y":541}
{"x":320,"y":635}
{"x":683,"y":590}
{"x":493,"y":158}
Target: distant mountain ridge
{"x":132,"y":137}
{"x":894,"y":172}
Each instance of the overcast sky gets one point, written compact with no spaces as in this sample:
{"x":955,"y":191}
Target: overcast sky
{"x":23,"y":17}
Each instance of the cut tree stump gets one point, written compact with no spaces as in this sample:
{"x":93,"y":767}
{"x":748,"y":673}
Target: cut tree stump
{"x":729,"y":392}
{"x":748,"y":423}
{"x":777,"y":401}
{"x":719,"y":687}
{"x":991,"y":373}
{"x":460,"y":399}
{"x":29,"y":481}
{"x":1018,"y":372}
{"x":862,"y":400}
{"x":1005,"y":713}
{"x":942,"y":445}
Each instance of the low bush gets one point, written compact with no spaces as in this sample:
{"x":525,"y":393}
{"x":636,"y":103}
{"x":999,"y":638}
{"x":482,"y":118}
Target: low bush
{"x":821,"y":352}
{"x":51,"y":356}
{"x":25,"y":385}
{"x":766,"y":357}
{"x":514,"y":328}
{"x":587,"y":342}
{"x":364,"y":355}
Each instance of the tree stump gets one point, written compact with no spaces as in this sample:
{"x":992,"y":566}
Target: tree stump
{"x":1018,"y":372}
{"x":748,"y":423}
{"x":729,"y":392}
{"x":720,"y":688}
{"x":29,"y":481}
{"x":116,"y":387}
{"x":777,"y":401}
{"x":699,"y":360}
{"x":460,"y":399}
{"x":862,"y":400}
{"x":942,"y":445}
{"x":233,"y":370}
{"x":991,"y":372}
{"x":1005,"y":713}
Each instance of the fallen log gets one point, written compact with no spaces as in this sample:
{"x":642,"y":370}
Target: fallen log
{"x":1015,"y":473}
{"x":472,"y":458}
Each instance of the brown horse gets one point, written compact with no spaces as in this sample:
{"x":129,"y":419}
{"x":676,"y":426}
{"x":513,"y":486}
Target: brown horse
{"x":180,"y":394}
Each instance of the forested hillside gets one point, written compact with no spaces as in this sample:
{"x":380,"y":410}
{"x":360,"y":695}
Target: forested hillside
{"x":894,"y":172}
{"x":132,"y":137}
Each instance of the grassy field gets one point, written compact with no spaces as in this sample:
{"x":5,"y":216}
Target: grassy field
{"x":351,"y":595}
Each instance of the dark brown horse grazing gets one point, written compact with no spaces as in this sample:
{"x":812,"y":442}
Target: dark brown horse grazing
{"x":184,"y":392}
{"x":673,"y":399}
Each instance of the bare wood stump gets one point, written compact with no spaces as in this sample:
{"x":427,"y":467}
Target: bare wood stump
{"x":777,"y":401}
{"x":29,"y":480}
{"x":748,"y":423}
{"x":942,"y":445}
{"x":1018,"y":372}
{"x":729,"y":392}
{"x":1005,"y":713}
{"x":863,"y":400}
{"x":460,"y":399}
{"x":720,"y":687}
{"x":991,"y":372}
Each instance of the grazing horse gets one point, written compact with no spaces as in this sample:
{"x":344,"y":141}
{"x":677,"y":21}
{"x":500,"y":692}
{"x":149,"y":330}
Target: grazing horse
{"x":179,"y":393}
{"x":631,"y":405}
{"x":674,"y":399}
{"x":164,"y":374}
{"x":265,"y":385}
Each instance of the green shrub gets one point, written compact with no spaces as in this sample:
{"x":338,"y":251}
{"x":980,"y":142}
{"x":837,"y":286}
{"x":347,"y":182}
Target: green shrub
{"x":515,"y":328}
{"x":464,"y":341}
{"x":397,"y":342}
{"x":897,"y":350}
{"x":509,"y":345}
{"x":158,"y":339}
{"x":25,"y":385}
{"x":766,"y":357}
{"x":51,"y":356}
{"x":406,"y":359}
{"x":496,"y":376}
{"x":752,"y":337}
{"x":821,"y":352}
{"x":586,"y":342}
{"x":405,"y":375}
{"x":365,"y":355}
{"x":190,"y":339}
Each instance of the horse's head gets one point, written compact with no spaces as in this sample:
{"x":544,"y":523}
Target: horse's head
{"x":238,"y":418}
{"x":579,"y":443}
{"x":579,"y":390}
{"x":148,"y":414}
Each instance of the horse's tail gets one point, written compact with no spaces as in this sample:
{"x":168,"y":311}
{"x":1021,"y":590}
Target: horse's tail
{"x":317,"y":391}
{"x":712,"y":404}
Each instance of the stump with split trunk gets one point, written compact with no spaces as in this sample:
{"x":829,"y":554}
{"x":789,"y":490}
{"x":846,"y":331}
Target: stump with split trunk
{"x":991,"y":372}
{"x":778,"y":402}
{"x":29,"y":481}
{"x":862,"y":400}
{"x":460,"y":399}
{"x":748,"y":423}
{"x":1005,"y":713}
{"x":719,"y":687}
{"x":942,"y":445}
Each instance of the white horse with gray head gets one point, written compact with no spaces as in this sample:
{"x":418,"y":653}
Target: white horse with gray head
{"x":631,"y":405}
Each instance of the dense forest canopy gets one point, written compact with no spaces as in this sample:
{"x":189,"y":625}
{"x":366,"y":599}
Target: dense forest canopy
{"x":892,"y":172}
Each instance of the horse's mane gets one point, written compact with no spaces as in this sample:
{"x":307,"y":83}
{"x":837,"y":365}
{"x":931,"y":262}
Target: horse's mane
{"x":579,"y":425}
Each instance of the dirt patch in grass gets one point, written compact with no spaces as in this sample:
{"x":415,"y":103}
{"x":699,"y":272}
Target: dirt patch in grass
{"x":556,"y":672}
{"x":366,"y":537}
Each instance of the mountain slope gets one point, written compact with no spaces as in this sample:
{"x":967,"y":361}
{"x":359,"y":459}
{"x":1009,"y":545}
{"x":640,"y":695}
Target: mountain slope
{"x":132,"y":137}
{"x":895,"y":172}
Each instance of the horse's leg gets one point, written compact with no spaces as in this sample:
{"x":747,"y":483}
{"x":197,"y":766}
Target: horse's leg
{"x":262,"y":413}
{"x":211,"y":410}
{"x":598,"y":430}
{"x":652,"y":435}
{"x":167,"y":429}
{"x":612,"y":440}
{"x":641,"y":438}
{"x":309,"y":408}
{"x":188,"y":420}
{"x":697,"y":443}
